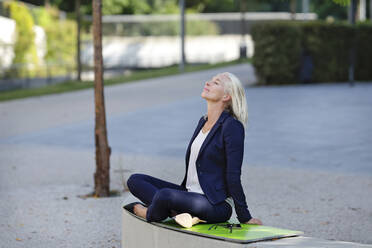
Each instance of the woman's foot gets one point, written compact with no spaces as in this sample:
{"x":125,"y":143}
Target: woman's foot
{"x":140,"y":210}
{"x":186,"y":220}
{"x":254,"y":221}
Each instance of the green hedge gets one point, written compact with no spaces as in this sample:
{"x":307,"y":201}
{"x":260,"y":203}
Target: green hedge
{"x":363,"y":69}
{"x":277,"y":51}
{"x":279,"y":47}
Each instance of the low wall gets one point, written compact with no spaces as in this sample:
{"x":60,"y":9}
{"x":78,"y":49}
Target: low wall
{"x":154,"y":51}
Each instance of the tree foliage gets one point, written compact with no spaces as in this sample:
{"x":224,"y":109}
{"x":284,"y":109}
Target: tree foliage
{"x":113,"y":7}
{"x":24,"y":47}
{"x":342,"y":2}
{"x":325,"y":9}
{"x":61,"y":35}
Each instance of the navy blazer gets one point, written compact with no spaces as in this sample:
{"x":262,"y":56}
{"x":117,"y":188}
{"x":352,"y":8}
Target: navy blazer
{"x":219,"y":163}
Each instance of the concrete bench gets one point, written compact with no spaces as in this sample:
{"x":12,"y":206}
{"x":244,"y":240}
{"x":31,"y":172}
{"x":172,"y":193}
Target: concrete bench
{"x":138,"y":233}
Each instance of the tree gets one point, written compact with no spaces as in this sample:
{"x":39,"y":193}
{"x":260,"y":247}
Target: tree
{"x":102,"y":174}
{"x":78,"y":22}
{"x":293,"y":8}
{"x":329,"y":8}
{"x":150,"y":6}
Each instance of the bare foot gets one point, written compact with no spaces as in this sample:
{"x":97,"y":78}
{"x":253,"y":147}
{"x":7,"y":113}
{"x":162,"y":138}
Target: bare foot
{"x":140,"y":210}
{"x":254,"y":221}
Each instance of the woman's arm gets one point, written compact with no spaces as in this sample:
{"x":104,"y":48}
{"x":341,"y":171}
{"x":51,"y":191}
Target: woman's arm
{"x":234,"y":148}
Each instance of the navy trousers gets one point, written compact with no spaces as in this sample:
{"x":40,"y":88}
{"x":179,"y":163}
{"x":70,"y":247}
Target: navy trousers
{"x":162,"y":197}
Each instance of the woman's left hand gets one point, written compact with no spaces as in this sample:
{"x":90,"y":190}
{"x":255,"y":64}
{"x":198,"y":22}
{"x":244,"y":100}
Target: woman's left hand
{"x":254,"y":221}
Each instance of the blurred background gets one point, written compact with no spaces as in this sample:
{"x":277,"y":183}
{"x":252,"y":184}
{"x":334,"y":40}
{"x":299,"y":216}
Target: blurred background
{"x":40,"y":39}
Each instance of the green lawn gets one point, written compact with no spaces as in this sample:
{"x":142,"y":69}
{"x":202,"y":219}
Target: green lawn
{"x":137,"y":75}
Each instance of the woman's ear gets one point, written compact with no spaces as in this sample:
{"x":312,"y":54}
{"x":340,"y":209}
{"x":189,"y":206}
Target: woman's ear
{"x":226,"y":98}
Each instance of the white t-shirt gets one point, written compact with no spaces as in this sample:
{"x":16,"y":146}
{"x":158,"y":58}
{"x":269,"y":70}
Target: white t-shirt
{"x":192,"y":183}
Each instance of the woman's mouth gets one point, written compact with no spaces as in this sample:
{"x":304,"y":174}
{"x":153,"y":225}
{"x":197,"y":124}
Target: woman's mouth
{"x":206,"y":89}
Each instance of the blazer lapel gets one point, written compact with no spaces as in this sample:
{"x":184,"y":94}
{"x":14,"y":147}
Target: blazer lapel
{"x":196,"y":132}
{"x":213,"y":131}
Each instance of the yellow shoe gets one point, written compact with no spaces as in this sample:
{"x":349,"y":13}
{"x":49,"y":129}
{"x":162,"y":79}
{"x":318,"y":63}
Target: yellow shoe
{"x":196,"y":220}
{"x":186,"y":220}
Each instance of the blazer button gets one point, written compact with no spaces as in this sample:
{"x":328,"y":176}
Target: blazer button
{"x":201,"y":173}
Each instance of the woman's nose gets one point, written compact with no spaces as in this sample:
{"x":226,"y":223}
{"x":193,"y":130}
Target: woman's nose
{"x":207,"y":83}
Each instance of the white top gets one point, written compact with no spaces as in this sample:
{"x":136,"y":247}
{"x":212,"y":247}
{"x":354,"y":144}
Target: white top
{"x":192,"y":183}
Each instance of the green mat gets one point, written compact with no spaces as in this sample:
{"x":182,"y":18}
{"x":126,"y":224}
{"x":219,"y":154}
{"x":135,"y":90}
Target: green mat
{"x":246,"y":233}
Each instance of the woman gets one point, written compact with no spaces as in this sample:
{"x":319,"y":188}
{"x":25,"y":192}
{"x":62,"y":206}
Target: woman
{"x":213,"y":165}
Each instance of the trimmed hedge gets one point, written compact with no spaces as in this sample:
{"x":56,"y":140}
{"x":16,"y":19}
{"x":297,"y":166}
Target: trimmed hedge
{"x":277,"y":51}
{"x":281,"y":47}
{"x":363,"y":64}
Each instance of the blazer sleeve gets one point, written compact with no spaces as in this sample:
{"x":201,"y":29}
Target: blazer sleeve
{"x":234,"y":147}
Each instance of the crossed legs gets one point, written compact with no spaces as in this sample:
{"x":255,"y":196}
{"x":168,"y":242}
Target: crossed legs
{"x":164,"y":199}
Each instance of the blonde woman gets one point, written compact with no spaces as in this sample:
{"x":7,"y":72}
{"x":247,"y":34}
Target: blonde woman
{"x":212,"y":185}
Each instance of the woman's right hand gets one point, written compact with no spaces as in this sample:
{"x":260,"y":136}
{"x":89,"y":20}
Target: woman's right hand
{"x":254,"y":221}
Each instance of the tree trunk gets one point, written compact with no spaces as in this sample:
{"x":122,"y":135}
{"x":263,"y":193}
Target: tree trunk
{"x":78,"y":22}
{"x":293,"y":7}
{"x":352,"y":19}
{"x":182,"y":34}
{"x":102,"y":174}
{"x":242,"y":47}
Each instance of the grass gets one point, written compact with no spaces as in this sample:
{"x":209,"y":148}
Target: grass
{"x":69,"y":86}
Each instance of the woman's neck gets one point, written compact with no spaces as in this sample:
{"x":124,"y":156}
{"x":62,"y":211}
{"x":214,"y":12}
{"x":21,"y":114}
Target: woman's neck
{"x":214,"y":111}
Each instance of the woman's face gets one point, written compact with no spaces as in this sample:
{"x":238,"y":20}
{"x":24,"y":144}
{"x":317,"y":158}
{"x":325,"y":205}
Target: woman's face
{"x":214,"y":89}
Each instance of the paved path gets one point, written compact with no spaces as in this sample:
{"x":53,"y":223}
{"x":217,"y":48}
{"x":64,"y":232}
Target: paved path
{"x":307,"y":162}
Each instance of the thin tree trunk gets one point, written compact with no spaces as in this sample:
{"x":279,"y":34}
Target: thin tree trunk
{"x":242,"y":47}
{"x":182,"y":34}
{"x":78,"y":21}
{"x":352,"y":19}
{"x":293,"y":7}
{"x":102,"y":174}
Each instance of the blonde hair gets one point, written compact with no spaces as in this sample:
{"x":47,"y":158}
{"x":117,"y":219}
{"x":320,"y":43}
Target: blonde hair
{"x":238,"y":104}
